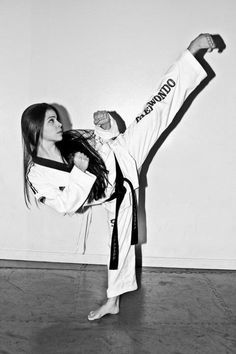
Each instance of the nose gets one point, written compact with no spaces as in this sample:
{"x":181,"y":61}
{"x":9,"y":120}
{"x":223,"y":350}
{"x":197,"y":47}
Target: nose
{"x":59,"y":124}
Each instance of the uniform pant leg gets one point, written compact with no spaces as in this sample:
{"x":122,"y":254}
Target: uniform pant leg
{"x":123,"y":279}
{"x":172,"y":90}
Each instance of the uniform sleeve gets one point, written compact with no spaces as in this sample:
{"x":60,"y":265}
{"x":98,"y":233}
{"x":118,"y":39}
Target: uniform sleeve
{"x":68,"y":200}
{"x":106,"y":135}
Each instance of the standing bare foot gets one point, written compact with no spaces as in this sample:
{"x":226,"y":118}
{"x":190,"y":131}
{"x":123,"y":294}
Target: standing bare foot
{"x":110,"y":307}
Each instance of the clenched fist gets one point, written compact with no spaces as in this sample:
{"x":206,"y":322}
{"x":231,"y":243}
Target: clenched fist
{"x":81,"y":161}
{"x":102,"y":119}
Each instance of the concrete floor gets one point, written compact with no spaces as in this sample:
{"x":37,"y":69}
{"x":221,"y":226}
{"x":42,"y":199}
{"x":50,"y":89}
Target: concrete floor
{"x":44,"y":311}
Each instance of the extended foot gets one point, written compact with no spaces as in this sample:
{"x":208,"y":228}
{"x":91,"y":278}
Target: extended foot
{"x":111,"y":307}
{"x":203,"y":41}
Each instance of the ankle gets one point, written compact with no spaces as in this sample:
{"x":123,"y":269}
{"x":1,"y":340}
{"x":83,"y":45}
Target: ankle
{"x":193,"y":47}
{"x":113,"y":300}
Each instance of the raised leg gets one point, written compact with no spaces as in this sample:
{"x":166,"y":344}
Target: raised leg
{"x":171,"y":91}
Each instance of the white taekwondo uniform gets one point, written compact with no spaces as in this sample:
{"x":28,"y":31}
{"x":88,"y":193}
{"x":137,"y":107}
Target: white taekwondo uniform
{"x":67,"y":190}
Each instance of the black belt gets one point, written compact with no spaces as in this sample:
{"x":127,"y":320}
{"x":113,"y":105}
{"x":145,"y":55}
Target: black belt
{"x":119,"y":194}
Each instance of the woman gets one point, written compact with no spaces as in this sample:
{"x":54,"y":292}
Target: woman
{"x":69,"y":171}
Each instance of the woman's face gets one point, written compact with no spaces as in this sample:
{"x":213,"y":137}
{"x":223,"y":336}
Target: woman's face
{"x":52,"y":128}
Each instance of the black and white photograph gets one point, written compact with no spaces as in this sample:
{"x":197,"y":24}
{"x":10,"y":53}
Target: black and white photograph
{"x":118,"y":179}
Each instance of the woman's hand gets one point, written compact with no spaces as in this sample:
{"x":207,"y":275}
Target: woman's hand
{"x":102,"y":119}
{"x":81,"y":161}
{"x":203,"y":41}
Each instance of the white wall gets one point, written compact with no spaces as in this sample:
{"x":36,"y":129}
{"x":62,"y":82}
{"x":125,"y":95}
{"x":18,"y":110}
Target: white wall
{"x":107,"y":54}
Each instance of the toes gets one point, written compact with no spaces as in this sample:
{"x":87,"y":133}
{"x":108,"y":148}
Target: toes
{"x":92,"y":316}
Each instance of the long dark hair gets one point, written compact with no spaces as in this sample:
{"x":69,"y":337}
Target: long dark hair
{"x":32,"y":122}
{"x":74,"y":141}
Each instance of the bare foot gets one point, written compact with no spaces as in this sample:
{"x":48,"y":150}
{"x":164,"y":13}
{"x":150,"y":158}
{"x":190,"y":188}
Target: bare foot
{"x":111,"y":307}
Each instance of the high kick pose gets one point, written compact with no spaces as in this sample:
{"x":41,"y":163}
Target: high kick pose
{"x":71,"y":170}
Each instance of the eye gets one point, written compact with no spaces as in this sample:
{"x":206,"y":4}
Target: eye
{"x":51,"y":120}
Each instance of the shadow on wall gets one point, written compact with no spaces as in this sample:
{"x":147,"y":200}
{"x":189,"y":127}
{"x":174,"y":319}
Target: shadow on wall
{"x":64,"y":116}
{"x":119,"y":121}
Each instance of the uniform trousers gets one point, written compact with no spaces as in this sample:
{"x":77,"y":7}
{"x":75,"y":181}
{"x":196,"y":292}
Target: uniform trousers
{"x":170,"y":93}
